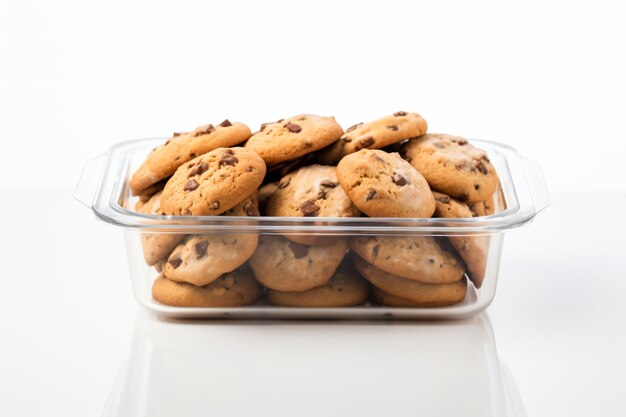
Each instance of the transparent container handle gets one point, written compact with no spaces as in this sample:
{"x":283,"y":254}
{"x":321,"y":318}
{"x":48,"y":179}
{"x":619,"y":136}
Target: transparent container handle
{"x":537,"y":184}
{"x":89,"y":179}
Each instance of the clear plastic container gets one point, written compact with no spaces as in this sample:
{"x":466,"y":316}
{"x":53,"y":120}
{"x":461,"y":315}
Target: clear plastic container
{"x":103,"y":187}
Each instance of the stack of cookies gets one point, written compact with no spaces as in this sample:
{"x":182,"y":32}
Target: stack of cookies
{"x":307,"y":166}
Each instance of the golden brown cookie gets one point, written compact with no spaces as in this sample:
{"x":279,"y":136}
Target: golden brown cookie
{"x":384,"y":185}
{"x":381,"y":297}
{"x":473,"y":249}
{"x":201,"y":259}
{"x":283,"y":265}
{"x":453,"y":166}
{"x":149,"y":192}
{"x":157,"y":246}
{"x":419,"y":292}
{"x":346,"y":288}
{"x":494,"y":204}
{"x":292,"y":138}
{"x":165,"y":159}
{"x":482,"y":208}
{"x":213,"y":183}
{"x":276,"y":172}
{"x":234,"y":289}
{"x":420,"y":258}
{"x":311,"y":191}
{"x":375,"y":135}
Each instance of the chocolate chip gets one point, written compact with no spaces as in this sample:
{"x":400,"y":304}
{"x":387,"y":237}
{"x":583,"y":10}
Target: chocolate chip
{"x":192,"y":155}
{"x":263,"y":126}
{"x":228,"y":159}
{"x":461,"y":142}
{"x":176,"y":134}
{"x":284,"y":184}
{"x":294,"y":128}
{"x":201,"y":248}
{"x":431,"y":260}
{"x":250,"y":169}
{"x":375,"y":250}
{"x":476,"y":187}
{"x":175,"y":262}
{"x":365,"y":143}
{"x":482,"y":168}
{"x":393,"y":127}
{"x":205,"y":130}
{"x":167,"y":142}
{"x":299,"y":251}
{"x":351,"y":128}
{"x":199,"y":170}
{"x":322,"y":195}
{"x":463,"y":197}
{"x":250,"y":210}
{"x":398,"y":179}
{"x":400,"y":113}
{"x":370,"y":195}
{"x":226,"y":123}
{"x":191,"y":185}
{"x":309,"y":209}
{"x":229,"y":151}
{"x":445,"y":199}
{"x":215,"y":205}
{"x":329,"y":183}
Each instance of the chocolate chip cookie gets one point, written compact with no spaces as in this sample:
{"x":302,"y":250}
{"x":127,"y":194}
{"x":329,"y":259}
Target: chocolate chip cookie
{"x":283,"y":265}
{"x":346,"y":288}
{"x":494,"y":204}
{"x":420,"y":258}
{"x":311,"y":191}
{"x":157,"y":246}
{"x":381,"y":184}
{"x":431,"y":295}
{"x":292,"y":138}
{"x":473,"y":249}
{"x":201,"y":259}
{"x":453,"y":166}
{"x":375,"y":135}
{"x":234,"y":289}
{"x":183,"y":147}
{"x":383,"y":298}
{"x":213,"y":183}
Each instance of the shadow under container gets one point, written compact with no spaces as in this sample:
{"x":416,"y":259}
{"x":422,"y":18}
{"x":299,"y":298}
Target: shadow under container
{"x":103,"y":187}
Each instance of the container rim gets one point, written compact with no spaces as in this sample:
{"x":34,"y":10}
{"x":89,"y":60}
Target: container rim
{"x":111,"y":191}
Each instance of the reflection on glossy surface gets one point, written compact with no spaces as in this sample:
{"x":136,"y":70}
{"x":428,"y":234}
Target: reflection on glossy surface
{"x":237,"y":368}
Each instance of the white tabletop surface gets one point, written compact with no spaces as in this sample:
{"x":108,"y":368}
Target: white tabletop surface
{"x":67,"y":317}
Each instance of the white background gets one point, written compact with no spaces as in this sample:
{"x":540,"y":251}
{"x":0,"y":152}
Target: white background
{"x":546,"y":77}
